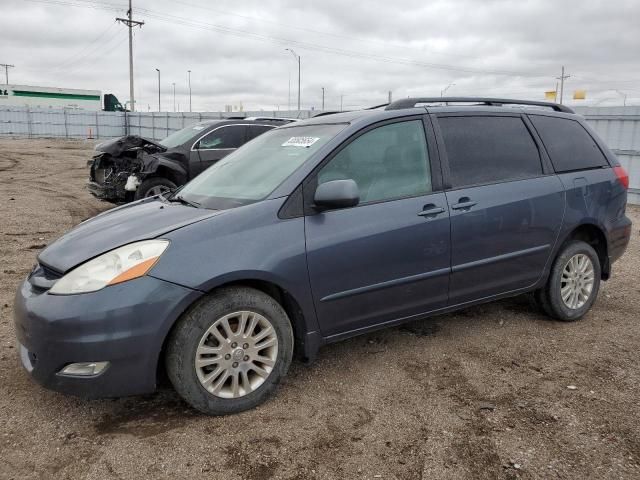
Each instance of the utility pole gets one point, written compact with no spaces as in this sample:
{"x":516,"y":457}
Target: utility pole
{"x":390,"y":96}
{"x":158,"y":70}
{"x":444,"y":90}
{"x":6,"y":71}
{"x":296,"y":56}
{"x":129,"y":22}
{"x":174,"y":96}
{"x":341,"y":98}
{"x":189,"y":72}
{"x":562,"y":78}
{"x":322,"y":98}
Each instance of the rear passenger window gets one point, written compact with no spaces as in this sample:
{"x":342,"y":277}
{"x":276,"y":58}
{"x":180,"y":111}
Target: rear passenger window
{"x":569,"y":145}
{"x":489,"y":149}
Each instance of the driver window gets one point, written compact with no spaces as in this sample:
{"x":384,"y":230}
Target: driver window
{"x":387,"y":162}
{"x":224,"y":137}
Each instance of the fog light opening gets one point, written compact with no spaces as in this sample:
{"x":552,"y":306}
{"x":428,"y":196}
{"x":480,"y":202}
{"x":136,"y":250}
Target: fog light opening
{"x":84,"y":369}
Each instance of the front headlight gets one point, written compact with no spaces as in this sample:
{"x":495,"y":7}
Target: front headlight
{"x":117,"y":266}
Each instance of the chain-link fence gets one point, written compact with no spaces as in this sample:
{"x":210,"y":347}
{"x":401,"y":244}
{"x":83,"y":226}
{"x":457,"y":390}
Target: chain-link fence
{"x":618,"y":126}
{"x":70,"y":123}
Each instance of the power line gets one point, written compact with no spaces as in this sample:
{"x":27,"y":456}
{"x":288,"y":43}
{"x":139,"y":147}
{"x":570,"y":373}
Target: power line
{"x":306,"y":45}
{"x":86,"y":50}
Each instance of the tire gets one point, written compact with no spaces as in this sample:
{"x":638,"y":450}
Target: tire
{"x":197,"y":384}
{"x":550,"y":297}
{"x":153,"y":186}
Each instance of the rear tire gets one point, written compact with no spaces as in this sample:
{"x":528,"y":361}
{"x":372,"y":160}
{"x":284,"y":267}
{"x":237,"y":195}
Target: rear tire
{"x":217,"y":335}
{"x":153,"y":186}
{"x":573,"y":284}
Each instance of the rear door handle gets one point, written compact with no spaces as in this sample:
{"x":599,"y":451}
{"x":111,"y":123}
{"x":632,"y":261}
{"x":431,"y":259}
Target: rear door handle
{"x":464,"y":203}
{"x":431,"y":211}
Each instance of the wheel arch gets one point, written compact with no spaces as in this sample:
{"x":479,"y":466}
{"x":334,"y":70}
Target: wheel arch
{"x":592,"y":234}
{"x":306,"y":339}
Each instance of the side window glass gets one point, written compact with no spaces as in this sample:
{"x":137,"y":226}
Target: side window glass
{"x":483,"y":150}
{"x":569,"y":145}
{"x":387,"y":162}
{"x":224,"y":137}
{"x":254,"y":130}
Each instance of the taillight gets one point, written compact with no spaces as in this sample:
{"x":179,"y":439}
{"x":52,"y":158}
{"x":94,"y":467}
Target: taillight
{"x":623,"y":176}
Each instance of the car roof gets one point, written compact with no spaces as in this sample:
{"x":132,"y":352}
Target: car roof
{"x":420,"y":106}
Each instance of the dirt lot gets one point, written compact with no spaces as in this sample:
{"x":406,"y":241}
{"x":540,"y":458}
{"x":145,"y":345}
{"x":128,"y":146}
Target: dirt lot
{"x":479,"y":394}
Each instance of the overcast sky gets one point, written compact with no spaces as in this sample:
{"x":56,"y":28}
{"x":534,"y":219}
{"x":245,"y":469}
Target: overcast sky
{"x":360,"y":50}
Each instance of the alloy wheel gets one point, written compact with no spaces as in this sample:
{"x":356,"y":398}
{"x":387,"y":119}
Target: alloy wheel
{"x":576,"y":284}
{"x":236,"y":354}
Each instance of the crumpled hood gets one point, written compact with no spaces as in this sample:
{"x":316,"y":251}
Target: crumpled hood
{"x":120,"y":226}
{"x":117,"y":146}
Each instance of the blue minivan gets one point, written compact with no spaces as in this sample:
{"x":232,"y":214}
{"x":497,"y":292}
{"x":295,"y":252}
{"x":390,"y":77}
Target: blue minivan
{"x":321,"y":230}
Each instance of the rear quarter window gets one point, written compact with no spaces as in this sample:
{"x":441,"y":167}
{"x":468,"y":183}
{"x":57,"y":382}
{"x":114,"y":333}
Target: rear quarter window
{"x":569,"y":145}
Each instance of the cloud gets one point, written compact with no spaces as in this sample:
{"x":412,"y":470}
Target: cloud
{"x":357,"y":51}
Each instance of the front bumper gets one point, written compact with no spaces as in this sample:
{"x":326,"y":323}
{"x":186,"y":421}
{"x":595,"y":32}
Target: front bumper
{"x":123,"y":324}
{"x":111,"y":193}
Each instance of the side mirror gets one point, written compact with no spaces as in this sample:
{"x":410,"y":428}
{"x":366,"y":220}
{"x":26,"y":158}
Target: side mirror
{"x":336,"y":194}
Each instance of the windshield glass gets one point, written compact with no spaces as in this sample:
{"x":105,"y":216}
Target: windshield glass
{"x":253,"y":171}
{"x":181,"y":136}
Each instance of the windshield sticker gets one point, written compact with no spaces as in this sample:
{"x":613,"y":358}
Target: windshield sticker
{"x":198,"y":127}
{"x":300,"y":141}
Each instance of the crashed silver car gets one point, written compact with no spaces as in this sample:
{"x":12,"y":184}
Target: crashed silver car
{"x":132,"y":167}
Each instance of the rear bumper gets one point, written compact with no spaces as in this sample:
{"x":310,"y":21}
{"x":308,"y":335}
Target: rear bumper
{"x":618,"y":238}
{"x":124,"y":325}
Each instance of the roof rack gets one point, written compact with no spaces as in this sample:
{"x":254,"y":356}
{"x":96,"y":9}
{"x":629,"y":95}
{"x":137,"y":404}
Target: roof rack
{"x":330,"y":112}
{"x":271,"y":119}
{"x":494,"y":102}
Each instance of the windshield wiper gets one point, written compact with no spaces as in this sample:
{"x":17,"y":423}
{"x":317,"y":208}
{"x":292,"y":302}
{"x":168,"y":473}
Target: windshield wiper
{"x":184,"y":201}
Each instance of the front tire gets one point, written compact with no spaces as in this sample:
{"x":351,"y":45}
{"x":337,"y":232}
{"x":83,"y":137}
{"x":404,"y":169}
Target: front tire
{"x":229,"y":352}
{"x":573,"y":284}
{"x":154,"y":186}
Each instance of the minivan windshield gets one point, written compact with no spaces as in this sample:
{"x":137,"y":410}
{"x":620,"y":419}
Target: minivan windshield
{"x":253,"y":171}
{"x":178,"y":138}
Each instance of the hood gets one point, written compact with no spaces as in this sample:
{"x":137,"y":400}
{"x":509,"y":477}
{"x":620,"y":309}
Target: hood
{"x":118,"y":146}
{"x":117,"y":227}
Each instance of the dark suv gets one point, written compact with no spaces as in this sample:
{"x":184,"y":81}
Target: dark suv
{"x":321,"y":230}
{"x":133,"y":167}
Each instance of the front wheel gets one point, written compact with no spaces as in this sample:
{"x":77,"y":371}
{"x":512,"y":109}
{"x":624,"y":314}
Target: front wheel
{"x":228,"y":353}
{"x":573,"y":282}
{"x":154,"y":186}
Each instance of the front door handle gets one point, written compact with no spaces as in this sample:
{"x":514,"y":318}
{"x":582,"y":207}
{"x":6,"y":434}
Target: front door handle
{"x":464,"y":203}
{"x":431,"y":210}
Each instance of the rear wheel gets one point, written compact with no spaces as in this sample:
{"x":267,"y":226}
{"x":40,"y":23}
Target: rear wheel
{"x":228,"y":353}
{"x":573,"y":284}
{"x":154,"y":186}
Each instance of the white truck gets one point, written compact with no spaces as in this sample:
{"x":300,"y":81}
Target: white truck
{"x":53,"y":97}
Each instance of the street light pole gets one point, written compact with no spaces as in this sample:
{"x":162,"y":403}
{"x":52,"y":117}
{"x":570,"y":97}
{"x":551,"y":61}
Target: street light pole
{"x":297,"y":57}
{"x":158,"y":70}
{"x":174,"y":96}
{"x":322,"y":98}
{"x":189,"y":71}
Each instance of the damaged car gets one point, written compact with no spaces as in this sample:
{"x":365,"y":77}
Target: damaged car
{"x":133,"y":167}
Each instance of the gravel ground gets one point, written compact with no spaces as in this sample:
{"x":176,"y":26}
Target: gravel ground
{"x":478,"y":394}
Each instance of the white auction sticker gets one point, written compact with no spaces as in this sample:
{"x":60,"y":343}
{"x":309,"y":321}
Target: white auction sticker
{"x":300,"y":141}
